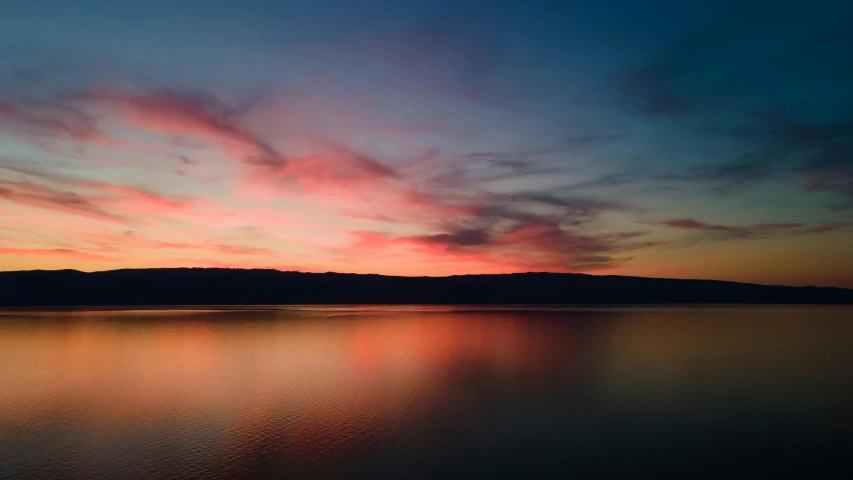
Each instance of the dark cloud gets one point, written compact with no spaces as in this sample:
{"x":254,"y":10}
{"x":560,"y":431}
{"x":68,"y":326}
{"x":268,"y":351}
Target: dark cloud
{"x":732,"y":177}
{"x":741,"y":232}
{"x":463,"y":238}
{"x":650,"y":90}
{"x":31,"y":70}
{"x":838,"y":180}
{"x":479,"y":168}
{"x":541,"y":244}
{"x":455,"y":50}
{"x":609,"y":180}
{"x":741,"y":56}
{"x":592,"y":139}
{"x":569,"y":209}
{"x":42,"y":119}
{"x":675,"y":81}
{"x":185,"y":160}
{"x":522,"y":158}
{"x":816,"y":156}
{"x":548,"y":230}
{"x":717,"y":232}
{"x":830,"y":227}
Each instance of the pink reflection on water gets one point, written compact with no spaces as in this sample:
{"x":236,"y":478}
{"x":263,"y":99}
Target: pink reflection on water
{"x":250,"y":387}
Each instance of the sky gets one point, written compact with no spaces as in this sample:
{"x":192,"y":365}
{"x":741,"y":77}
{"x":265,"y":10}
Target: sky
{"x":668,"y":139}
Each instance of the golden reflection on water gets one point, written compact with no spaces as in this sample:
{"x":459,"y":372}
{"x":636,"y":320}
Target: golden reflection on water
{"x":233,"y":392}
{"x":682,"y":357}
{"x":321,"y":386}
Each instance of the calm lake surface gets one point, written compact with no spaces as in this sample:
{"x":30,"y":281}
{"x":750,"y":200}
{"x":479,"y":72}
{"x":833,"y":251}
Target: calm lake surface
{"x":426,"y":392}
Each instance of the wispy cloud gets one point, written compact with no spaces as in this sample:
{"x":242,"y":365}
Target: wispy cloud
{"x":176,"y":113}
{"x":96,"y":199}
{"x":540,"y":230}
{"x":47,"y":120}
{"x":454,"y":51}
{"x":62,"y":253}
{"x":49,"y":198}
{"x":726,"y":232}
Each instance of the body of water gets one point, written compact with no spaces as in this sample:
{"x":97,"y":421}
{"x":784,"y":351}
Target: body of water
{"x":426,"y":392}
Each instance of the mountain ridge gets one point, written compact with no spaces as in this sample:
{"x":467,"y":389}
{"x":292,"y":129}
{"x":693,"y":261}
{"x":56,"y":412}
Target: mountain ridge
{"x":227,"y":286}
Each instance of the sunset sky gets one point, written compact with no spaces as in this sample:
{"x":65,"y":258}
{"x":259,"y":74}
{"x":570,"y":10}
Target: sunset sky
{"x":687,"y":139}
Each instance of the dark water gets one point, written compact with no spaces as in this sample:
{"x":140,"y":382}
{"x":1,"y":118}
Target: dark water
{"x":433,"y":392}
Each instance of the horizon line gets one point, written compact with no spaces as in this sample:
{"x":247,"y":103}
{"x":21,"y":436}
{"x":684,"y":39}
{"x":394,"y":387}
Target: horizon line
{"x":532,"y":272}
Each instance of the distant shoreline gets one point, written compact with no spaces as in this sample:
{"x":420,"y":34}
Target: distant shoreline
{"x":238,"y":287}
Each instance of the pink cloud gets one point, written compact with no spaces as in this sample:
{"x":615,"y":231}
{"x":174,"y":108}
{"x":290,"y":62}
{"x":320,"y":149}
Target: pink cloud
{"x":96,"y":199}
{"x":327,"y":173}
{"x":56,"y":200}
{"x":51,"y":253}
{"x":173,"y":113}
{"x":464,"y":227}
{"x":539,"y":246}
{"x":411,"y":256}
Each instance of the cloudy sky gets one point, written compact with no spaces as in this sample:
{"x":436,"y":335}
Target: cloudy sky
{"x":686,"y":139}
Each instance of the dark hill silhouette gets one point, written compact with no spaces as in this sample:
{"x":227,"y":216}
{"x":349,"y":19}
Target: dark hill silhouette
{"x":216,"y":286}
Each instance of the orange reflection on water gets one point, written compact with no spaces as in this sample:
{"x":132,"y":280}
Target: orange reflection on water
{"x":269,"y":381}
{"x":254,"y":392}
